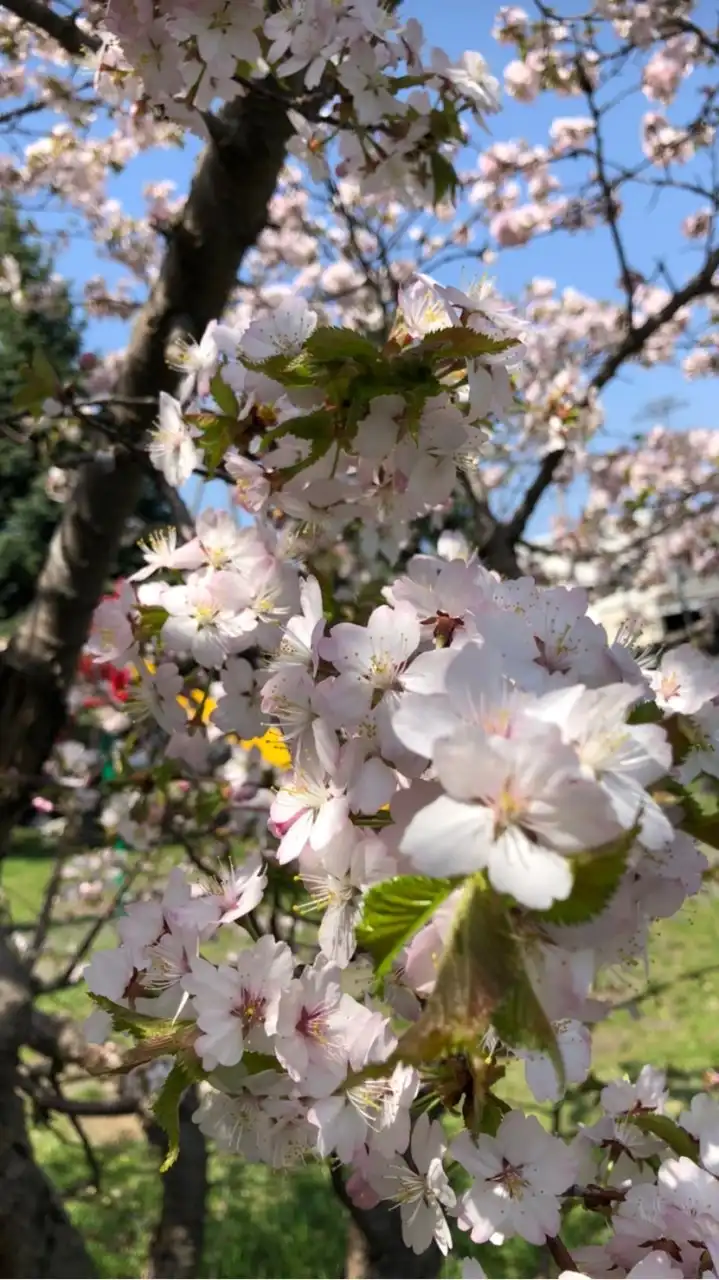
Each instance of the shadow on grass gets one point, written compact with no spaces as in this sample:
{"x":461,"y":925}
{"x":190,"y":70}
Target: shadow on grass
{"x":260,"y":1222}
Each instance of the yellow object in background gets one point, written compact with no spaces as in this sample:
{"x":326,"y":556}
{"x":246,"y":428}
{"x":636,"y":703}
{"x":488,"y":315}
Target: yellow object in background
{"x":271,"y":747}
{"x":201,"y":699}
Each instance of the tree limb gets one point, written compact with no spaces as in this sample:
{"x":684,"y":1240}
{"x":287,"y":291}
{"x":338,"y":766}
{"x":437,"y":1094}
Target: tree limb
{"x":36,"y":1236}
{"x":224,"y":214}
{"x":74,"y":39}
{"x":633,"y":343}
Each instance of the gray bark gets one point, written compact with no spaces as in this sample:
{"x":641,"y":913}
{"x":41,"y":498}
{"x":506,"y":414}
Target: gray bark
{"x":224,"y":213}
{"x":37,"y":1238}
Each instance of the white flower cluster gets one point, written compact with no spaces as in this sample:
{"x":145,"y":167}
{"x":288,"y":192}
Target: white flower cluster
{"x":485,"y":797}
{"x":355,"y":59}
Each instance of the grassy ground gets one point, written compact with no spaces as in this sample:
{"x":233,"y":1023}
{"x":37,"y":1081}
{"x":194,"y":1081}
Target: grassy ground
{"x":265,"y":1224}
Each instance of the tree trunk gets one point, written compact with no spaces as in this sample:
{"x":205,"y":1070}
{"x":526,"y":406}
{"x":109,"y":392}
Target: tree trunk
{"x":223,"y":215}
{"x":176,"y":1250}
{"x":36,"y":1236}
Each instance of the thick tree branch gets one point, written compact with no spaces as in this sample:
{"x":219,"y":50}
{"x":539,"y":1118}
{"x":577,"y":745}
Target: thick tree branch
{"x":36,"y":1236}
{"x":223,"y":215}
{"x":74,"y":39}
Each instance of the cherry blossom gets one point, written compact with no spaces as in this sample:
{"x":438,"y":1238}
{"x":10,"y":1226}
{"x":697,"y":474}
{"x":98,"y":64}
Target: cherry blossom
{"x":518,"y":1177}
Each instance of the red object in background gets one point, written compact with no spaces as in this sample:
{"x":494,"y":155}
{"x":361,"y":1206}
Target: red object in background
{"x":116,"y":680}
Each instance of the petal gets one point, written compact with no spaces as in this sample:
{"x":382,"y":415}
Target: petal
{"x":448,"y":838}
{"x":532,"y":874}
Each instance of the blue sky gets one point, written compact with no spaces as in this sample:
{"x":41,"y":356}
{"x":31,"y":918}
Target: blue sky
{"x":584,"y":261}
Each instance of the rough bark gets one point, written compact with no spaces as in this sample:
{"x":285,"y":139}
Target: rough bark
{"x":384,"y":1253}
{"x":36,"y":1236}
{"x":224,"y":213}
{"x":176,"y":1249}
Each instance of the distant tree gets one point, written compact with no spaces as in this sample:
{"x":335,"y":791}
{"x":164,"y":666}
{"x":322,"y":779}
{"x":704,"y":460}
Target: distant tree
{"x":36,"y":315}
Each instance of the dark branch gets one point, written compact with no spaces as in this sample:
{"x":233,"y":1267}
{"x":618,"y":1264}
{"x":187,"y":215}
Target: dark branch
{"x":698,"y":286}
{"x":66,"y":31}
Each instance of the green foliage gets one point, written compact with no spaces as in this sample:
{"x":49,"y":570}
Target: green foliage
{"x":330,"y":344}
{"x":700,"y":801}
{"x":681,"y":1142}
{"x":597,"y":874}
{"x":43,"y":341}
{"x":39,"y":350}
{"x":166,"y":1107}
{"x":352,"y":372}
{"x":394,"y":911}
{"x":482,"y":979}
{"x":224,"y":396}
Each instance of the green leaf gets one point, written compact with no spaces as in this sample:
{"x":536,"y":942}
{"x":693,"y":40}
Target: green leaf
{"x":329,"y":344}
{"x":223,"y":396}
{"x":684,"y":736}
{"x":597,"y":875}
{"x":217,"y":436}
{"x":152,"y":620}
{"x":318,"y":425}
{"x":142,"y":1026}
{"x":394,"y":911}
{"x":482,"y":979}
{"x":299,"y":370}
{"x":39,"y":383}
{"x":700,"y":801}
{"x":166,"y":1107}
{"x":645,"y":713}
{"x":681,"y":1142}
{"x":444,"y":177}
{"x":157,"y":1037}
{"x":492,"y":1114}
{"x":455,"y":340}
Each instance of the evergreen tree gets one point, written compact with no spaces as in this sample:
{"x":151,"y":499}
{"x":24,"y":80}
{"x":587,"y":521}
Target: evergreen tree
{"x":27,"y":515}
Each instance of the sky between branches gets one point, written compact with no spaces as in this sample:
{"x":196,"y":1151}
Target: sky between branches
{"x":585,"y":261}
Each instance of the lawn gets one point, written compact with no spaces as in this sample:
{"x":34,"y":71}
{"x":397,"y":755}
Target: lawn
{"x":267,"y":1224}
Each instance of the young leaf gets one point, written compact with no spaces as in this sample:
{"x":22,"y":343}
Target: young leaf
{"x":684,"y":735}
{"x":443,"y":176}
{"x":166,"y":1107}
{"x":318,"y":425}
{"x":174,"y":1042}
{"x":142,"y":1026}
{"x":152,"y":620}
{"x":299,"y":370}
{"x":482,"y":979}
{"x":700,"y":801}
{"x":681,"y":1142}
{"x":217,"y":436}
{"x":597,"y":875}
{"x":645,"y":713}
{"x":329,"y":344}
{"x":223,"y":396}
{"x":464,"y":344}
{"x":394,"y":911}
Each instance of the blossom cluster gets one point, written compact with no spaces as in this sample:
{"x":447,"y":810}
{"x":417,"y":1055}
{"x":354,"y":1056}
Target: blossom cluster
{"x":488,"y":801}
{"x":353,"y":73}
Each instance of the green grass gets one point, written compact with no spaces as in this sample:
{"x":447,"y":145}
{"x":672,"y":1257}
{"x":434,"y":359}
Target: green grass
{"x":268,"y":1224}
{"x":259,"y":1222}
